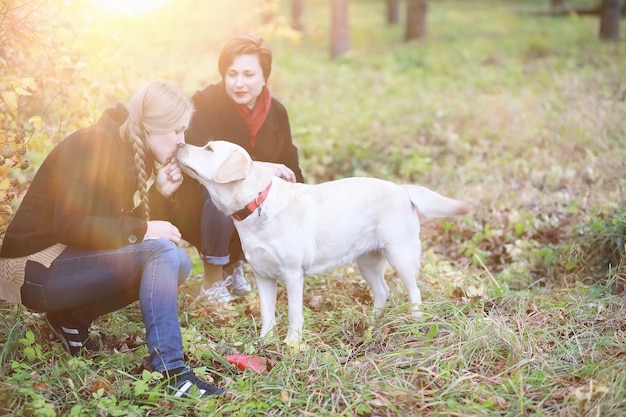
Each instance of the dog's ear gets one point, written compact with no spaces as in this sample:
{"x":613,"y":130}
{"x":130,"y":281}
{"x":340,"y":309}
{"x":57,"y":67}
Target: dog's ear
{"x":234,"y":168}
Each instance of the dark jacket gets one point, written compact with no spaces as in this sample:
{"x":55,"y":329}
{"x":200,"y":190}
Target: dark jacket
{"x":216,"y":118}
{"x":82,"y":195}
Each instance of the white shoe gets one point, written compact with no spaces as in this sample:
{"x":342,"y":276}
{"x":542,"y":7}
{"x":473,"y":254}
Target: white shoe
{"x":218,"y":293}
{"x":239,"y":284}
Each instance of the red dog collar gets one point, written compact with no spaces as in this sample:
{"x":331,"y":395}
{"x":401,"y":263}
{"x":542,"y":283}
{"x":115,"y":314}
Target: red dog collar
{"x":253,"y":205}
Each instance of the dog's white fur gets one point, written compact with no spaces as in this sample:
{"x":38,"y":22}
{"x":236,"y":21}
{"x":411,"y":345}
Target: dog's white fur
{"x":305,"y":229}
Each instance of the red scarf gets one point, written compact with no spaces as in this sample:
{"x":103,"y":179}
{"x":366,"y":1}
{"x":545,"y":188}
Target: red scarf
{"x":256,"y":117}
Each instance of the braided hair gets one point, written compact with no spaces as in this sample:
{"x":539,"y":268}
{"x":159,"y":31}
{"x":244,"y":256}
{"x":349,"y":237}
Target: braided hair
{"x":157,"y":107}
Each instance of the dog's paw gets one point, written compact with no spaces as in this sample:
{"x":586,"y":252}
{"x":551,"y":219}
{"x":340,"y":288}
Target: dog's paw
{"x":418,"y":315}
{"x":295,"y":346}
{"x":294,"y":341}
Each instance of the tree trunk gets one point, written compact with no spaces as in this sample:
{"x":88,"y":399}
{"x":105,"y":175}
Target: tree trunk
{"x":339,"y":29}
{"x":393,"y":11}
{"x":297,"y":10}
{"x":610,"y":14}
{"x":416,"y":11}
{"x":268,"y":11}
{"x":558,"y":6}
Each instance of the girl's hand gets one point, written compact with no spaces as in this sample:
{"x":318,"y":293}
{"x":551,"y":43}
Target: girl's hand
{"x":160,"y":229}
{"x":169,"y":178}
{"x":279,"y":170}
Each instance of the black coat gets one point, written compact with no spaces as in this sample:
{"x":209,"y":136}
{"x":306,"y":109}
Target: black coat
{"x":82,"y":194}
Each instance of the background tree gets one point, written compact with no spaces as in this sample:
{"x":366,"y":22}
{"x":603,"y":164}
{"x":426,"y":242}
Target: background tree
{"x":557,"y":6}
{"x":339,"y":29}
{"x":44,"y":95}
{"x":268,"y":11}
{"x":610,"y":14}
{"x":416,"y":19}
{"x":17,"y":120}
{"x":392,"y":8}
{"x":297,"y":12}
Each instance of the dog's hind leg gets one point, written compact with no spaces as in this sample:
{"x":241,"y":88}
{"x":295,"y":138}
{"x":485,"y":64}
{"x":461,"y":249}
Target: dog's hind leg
{"x":372,"y":268}
{"x":267,"y":288}
{"x":405,"y":259}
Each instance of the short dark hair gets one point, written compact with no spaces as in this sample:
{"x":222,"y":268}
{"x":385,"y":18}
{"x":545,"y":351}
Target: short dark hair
{"x":246,"y":45}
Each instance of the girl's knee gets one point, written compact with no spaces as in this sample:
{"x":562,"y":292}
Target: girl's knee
{"x":175,"y":255}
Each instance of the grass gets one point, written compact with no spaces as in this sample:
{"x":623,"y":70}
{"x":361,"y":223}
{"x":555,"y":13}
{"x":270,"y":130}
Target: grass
{"x":524,"y":299}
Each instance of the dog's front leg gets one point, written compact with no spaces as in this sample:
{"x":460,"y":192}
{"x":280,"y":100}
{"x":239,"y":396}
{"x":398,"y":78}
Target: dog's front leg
{"x":267,"y":295}
{"x":294,"y":284}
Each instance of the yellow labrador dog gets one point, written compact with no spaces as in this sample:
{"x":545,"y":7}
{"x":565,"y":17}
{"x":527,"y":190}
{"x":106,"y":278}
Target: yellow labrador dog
{"x":291,"y":230}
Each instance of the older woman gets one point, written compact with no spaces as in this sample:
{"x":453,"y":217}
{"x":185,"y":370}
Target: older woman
{"x":239,"y":109}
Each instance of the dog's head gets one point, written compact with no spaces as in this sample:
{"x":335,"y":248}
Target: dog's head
{"x":218,"y":162}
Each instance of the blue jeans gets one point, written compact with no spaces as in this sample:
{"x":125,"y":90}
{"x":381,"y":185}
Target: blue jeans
{"x":84,"y":284}
{"x":217,"y":231}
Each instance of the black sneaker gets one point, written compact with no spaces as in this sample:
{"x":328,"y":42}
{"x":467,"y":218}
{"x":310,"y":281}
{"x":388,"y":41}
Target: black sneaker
{"x":74,"y":338}
{"x":183,"y":383}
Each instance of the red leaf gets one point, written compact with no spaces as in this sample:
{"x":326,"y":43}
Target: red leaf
{"x":255,"y":363}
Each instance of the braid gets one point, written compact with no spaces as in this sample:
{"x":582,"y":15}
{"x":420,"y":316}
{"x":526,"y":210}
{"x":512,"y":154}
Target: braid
{"x":133,"y":134}
{"x":143,"y":174}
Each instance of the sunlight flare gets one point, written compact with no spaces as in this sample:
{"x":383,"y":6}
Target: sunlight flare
{"x":130,"y":7}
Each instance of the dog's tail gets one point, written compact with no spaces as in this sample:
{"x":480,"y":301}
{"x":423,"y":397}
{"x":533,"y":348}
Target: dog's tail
{"x":432,"y":204}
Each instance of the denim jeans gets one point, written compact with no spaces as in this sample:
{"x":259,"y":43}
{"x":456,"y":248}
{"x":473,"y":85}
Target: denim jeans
{"x":84,"y":284}
{"x":217,"y":230}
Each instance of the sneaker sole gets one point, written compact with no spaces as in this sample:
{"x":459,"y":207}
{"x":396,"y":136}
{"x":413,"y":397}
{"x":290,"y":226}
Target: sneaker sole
{"x":241,"y":292}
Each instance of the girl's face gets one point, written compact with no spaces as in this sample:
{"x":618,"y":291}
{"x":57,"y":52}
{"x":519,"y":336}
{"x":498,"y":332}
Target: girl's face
{"x":163,"y":145}
{"x":244,"y":80}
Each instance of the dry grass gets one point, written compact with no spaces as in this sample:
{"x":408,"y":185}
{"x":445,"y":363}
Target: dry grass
{"x":524,"y":300}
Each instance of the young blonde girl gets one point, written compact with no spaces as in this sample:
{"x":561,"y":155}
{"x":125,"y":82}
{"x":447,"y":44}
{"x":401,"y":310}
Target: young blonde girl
{"x":78,"y":246}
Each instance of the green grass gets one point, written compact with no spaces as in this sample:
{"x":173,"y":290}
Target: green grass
{"x":523,"y":115}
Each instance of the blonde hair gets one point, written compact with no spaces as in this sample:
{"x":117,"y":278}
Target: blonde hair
{"x":157,"y":107}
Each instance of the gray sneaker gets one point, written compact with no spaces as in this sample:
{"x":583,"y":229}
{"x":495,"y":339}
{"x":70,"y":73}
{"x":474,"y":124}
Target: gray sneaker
{"x":218,"y":293}
{"x":240,"y":286}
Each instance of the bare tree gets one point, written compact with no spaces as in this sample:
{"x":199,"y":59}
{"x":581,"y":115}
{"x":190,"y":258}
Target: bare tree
{"x":339,"y":29}
{"x":610,"y":14}
{"x":297,"y":11}
{"x":393,"y":11}
{"x":268,"y":11}
{"x":557,"y":6}
{"x":416,"y":19}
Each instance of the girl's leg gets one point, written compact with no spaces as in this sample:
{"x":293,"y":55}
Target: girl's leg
{"x":82,"y":285}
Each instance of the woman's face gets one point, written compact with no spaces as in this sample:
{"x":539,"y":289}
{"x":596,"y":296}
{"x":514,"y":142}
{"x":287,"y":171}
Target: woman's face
{"x":163,"y":145}
{"x":244,"y":80}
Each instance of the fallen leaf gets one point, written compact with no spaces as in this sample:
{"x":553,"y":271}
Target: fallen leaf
{"x":315,"y":302}
{"x":255,"y":363}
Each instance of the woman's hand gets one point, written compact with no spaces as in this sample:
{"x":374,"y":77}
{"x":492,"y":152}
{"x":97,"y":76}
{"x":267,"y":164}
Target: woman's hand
{"x":279,"y":170}
{"x":162,"y":229}
{"x":169,"y":178}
